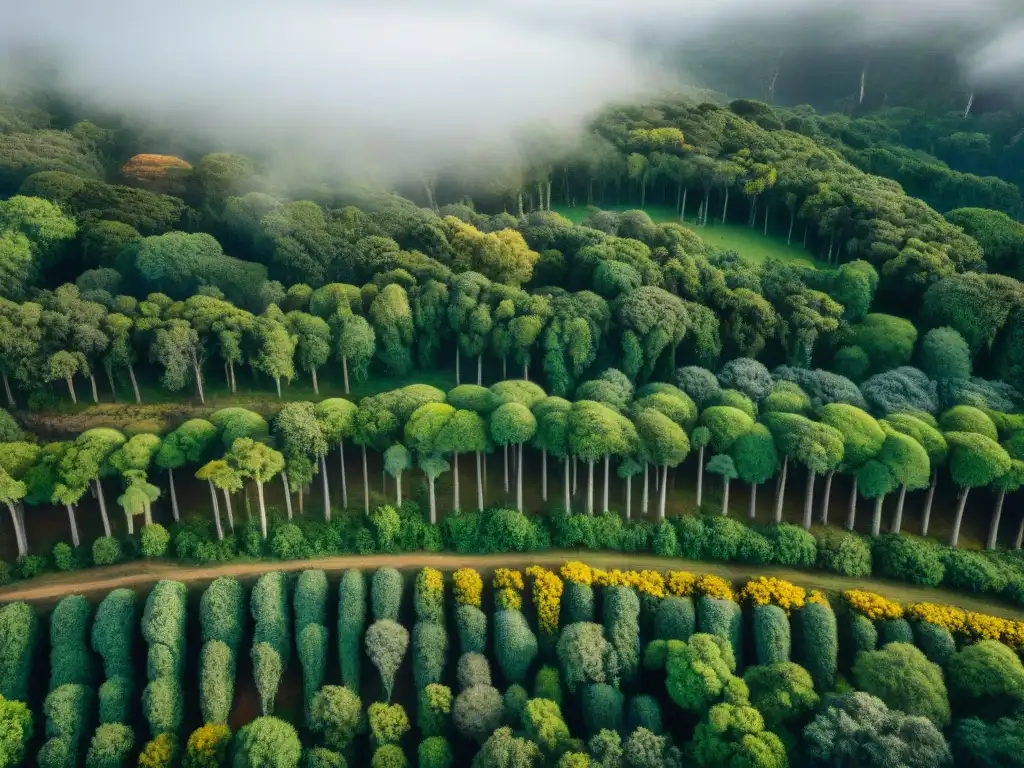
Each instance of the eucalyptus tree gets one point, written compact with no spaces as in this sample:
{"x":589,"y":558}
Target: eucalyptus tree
{"x":699,"y":439}
{"x":1009,"y":482}
{"x":595,"y":431}
{"x":817,"y":446}
{"x":121,"y":351}
{"x":551,"y":436}
{"x":465,"y":432}
{"x":422,"y":433}
{"x":862,"y":440}
{"x":469,"y":317}
{"x":356,"y":346}
{"x":185,"y":445}
{"x":312,"y":342}
{"x":175,"y":346}
{"x":43,"y":484}
{"x":974,"y":461}
{"x":723,"y":465}
{"x":512,"y":423}
{"x":300,"y":436}
{"x":901,"y":461}
{"x":21,"y":335}
{"x":481,"y":401}
{"x":16,"y":459}
{"x":393,"y":326}
{"x":275,"y":347}
{"x":653,"y":321}
{"x":259,"y":462}
{"x":397,"y":461}
{"x":526,"y":393}
{"x":65,"y":365}
{"x":208,"y":472}
{"x":132,"y":461}
{"x":86,"y":462}
{"x":337,"y":420}
{"x":222,"y":327}
{"x":756,"y":460}
{"x":663,"y":442}
{"x":934,"y":444}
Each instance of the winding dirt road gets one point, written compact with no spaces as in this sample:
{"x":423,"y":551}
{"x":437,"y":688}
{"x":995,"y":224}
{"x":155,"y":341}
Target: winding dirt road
{"x":140,"y":575}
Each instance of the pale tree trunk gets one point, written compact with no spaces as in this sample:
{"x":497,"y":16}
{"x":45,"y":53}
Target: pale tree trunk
{"x":700,"y":475}
{"x":725,"y":496}
{"x":574,"y":476}
{"x":1020,"y":535}
{"x":958,"y":520}
{"x":504,"y":450}
{"x":828,"y":497}
{"x":455,"y":478}
{"x":326,"y":488}
{"x":519,"y":480}
{"x":646,"y":494}
{"x":479,"y":484}
{"x":174,"y":495}
{"x":752,"y":509}
{"x":398,"y":488}
{"x":480,"y":370}
{"x":148,"y":513}
{"x":876,"y":518}
{"x":344,"y":482}
{"x":18,"y":534}
{"x":433,"y":507}
{"x":366,"y":484}
{"x":344,"y":371}
{"x":970,"y":103}
{"x":227,"y":506}
{"x":792,"y":221}
{"x":661,"y":497}
{"x":130,"y":521}
{"x":504,"y":368}
{"x":780,"y":494}
{"x":607,"y":462}
{"x":71,"y":390}
{"x":231,"y":370}
{"x":263,"y":508}
{"x":73,"y":522}
{"x":103,"y":506}
{"x":287,"y":493}
{"x":457,"y":366}
{"x":277,"y":383}
{"x":725,"y":208}
{"x":927,"y":515}
{"x":809,"y":498}
{"x":198,"y":372}
{"x":316,"y":384}
{"x":92,"y":384}
{"x":110,"y":381}
{"x":993,"y":529}
{"x":766,"y":209}
{"x":629,"y":496}
{"x":590,"y":487}
{"x":7,"y":391}
{"x":851,"y":515}
{"x":526,"y":371}
{"x":216,"y":512}
{"x":544,"y":474}
{"x":566,"y":484}
{"x":682,"y":208}
{"x":897,"y":521}
{"x":135,"y":384}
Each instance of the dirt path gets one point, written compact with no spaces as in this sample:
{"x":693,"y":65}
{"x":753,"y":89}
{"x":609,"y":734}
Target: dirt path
{"x":140,"y":575}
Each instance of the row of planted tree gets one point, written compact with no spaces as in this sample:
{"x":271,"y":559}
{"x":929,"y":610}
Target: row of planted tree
{"x":649,"y":431}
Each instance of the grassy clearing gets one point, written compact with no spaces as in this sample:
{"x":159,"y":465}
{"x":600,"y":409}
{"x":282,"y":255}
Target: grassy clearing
{"x":749,"y":243}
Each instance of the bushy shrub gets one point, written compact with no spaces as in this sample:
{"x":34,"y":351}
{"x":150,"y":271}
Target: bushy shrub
{"x":471,"y":624}
{"x":222,"y":612}
{"x":819,"y":644}
{"x":434,"y":709}
{"x":701,"y":673}
{"x":386,"y":644}
{"x":722,"y":618}
{"x":622,"y":628}
{"x":19,"y":632}
{"x":723,"y":536}
{"x":844,"y":553}
{"x":989,"y":745}
{"x":863,"y":635}
{"x":159,"y":752}
{"x":29,"y":566}
{"x":67,"y":712}
{"x":312,"y":647}
{"x":782,"y":692}
{"x":386,"y":594}
{"x":585,"y":656}
{"x":577,"y":602}
{"x":6,"y":573}
{"x":267,"y":741}
{"x":792,"y":545}
{"x":665,"y":542}
{"x":57,"y":753}
{"x":288,"y":542}
{"x":106,"y":550}
{"x":477,"y":711}
{"x":602,"y":707}
{"x":429,"y":649}
{"x":388,"y":723}
{"x":428,"y":597}
{"x":895,"y":631}
{"x":351,"y":625}
{"x":337,"y":713}
{"x":515,"y":645}
{"x":755,"y":548}
{"x":64,"y":557}
{"x":216,"y":681}
{"x":388,"y":756}
{"x":271,"y":612}
{"x":986,"y":679}
{"x":113,"y":632}
{"x":70,"y":659}
{"x":771,"y":634}
{"x":154,"y":540}
{"x":901,"y":676}
{"x":675,"y":618}
{"x":936,"y":642}
{"x":115,"y":700}
{"x":691,"y":535}
{"x":644,"y":712}
{"x":473,"y":669}
{"x":972,"y":571}
{"x":548,"y":685}
{"x":434,"y":752}
{"x":310,"y":599}
{"x":207,"y":746}
{"x":162,"y":705}
{"x":110,"y":746}
{"x":908,"y":558}
{"x":513,"y":702}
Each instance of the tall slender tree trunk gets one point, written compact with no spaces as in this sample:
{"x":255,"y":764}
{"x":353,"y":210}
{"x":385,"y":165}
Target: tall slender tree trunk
{"x":263,"y":508}
{"x":780,"y":494}
{"x":433,"y":501}
{"x":767,"y":208}
{"x":504,"y":368}
{"x":927,"y":514}
{"x":682,"y":208}
{"x":897,"y":521}
{"x":231,"y":371}
{"x":575,"y":476}
{"x":129,"y":519}
{"x":480,"y":370}
{"x":174,"y":495}
{"x":287,"y":493}
{"x":645,"y":499}
{"x":110,"y":381}
{"x":277,"y":383}
{"x":1019,"y":541}
{"x":519,"y":480}
{"x":398,"y":489}
{"x":590,"y":487}
{"x":18,"y":533}
{"x":725,"y":207}
{"x":366,"y":484}
{"x":707,"y":202}
{"x":479,"y":484}
{"x":809,"y":498}
{"x":326,"y":487}
{"x":544,"y":474}
{"x":92,"y":384}
{"x":227,"y":506}
{"x":993,"y":528}
{"x":504,"y":450}
{"x":725,"y":496}
{"x":792,"y":221}
{"x":958,"y":520}
{"x":455,"y":479}
{"x":344,"y":482}
{"x":135,"y":384}
{"x":607,"y":462}
{"x":216,"y":512}
{"x":71,"y":389}
{"x":103,"y":506}
{"x":851,"y":515}
{"x":316,"y":384}
{"x":664,"y":487}
{"x":700,"y":475}
{"x":876,"y":518}
{"x":526,"y":370}
{"x":73,"y":522}
{"x":827,"y":497}
{"x":629,"y":496}
{"x":566,"y":486}
{"x":7,"y":391}
{"x":752,"y":509}
{"x":458,"y":379}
